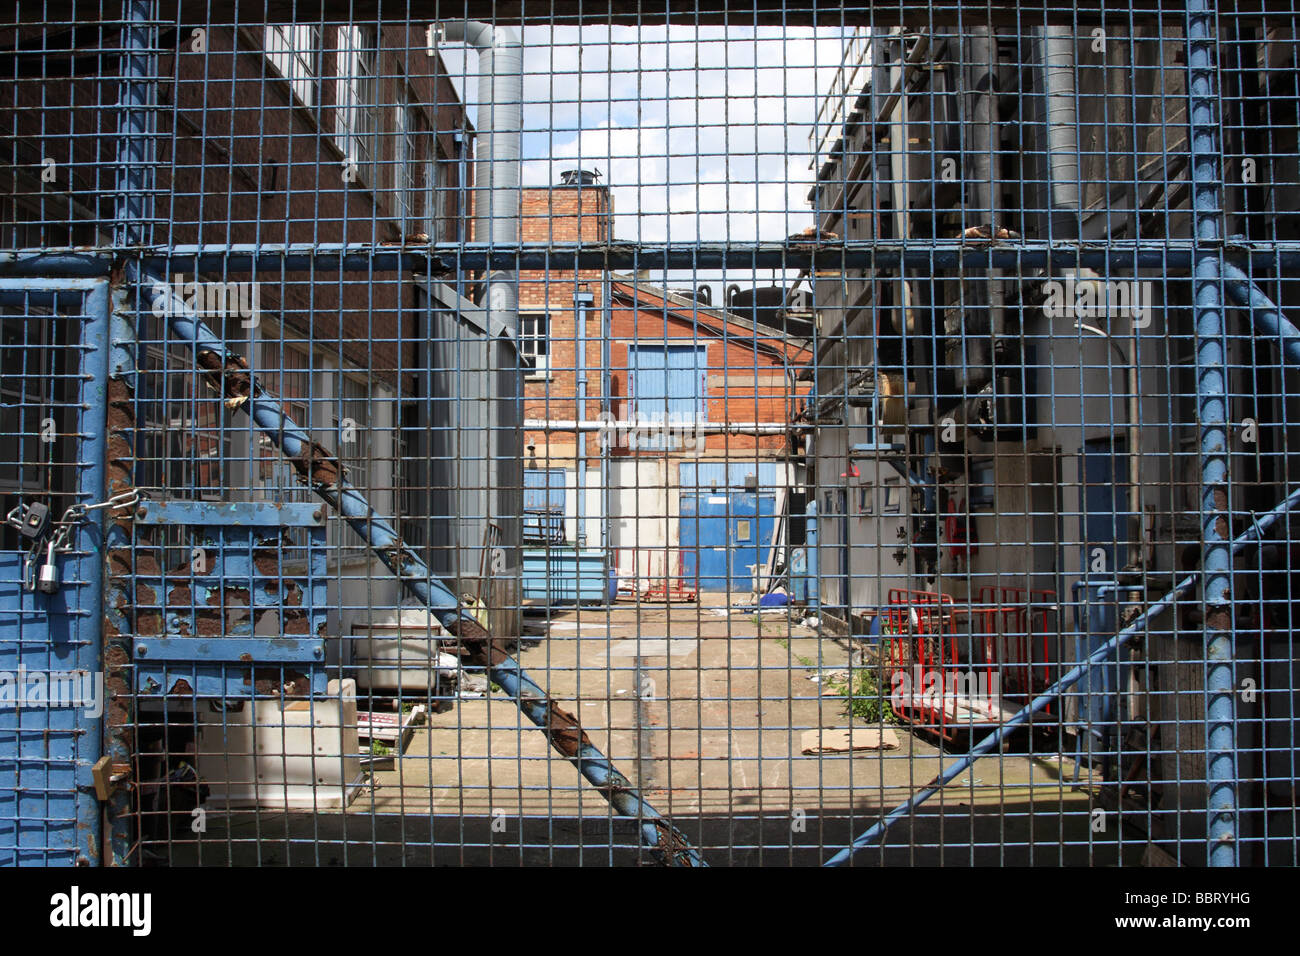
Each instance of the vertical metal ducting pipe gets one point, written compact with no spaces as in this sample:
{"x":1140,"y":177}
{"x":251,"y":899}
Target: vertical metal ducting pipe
{"x":496,"y":222}
{"x":1056,"y":54}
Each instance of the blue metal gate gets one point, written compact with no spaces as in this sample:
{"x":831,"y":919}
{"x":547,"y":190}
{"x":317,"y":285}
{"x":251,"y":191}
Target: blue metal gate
{"x":52,"y":695}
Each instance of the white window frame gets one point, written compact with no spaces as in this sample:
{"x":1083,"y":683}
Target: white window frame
{"x":356,"y":114}
{"x":406,"y":154}
{"x":528,"y":342}
{"x":435,"y":193}
{"x":291,"y":48}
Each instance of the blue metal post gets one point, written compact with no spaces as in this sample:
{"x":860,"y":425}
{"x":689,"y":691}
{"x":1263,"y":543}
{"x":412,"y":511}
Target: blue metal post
{"x":810,"y":542}
{"x":92,"y":456}
{"x":132,"y":228}
{"x":1212,"y":401}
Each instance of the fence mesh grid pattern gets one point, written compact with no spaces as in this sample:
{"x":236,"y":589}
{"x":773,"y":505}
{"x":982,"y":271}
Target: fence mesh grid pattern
{"x":689,"y":435}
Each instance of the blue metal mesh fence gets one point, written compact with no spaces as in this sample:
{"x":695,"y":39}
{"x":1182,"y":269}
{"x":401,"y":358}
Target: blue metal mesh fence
{"x":699,"y":435}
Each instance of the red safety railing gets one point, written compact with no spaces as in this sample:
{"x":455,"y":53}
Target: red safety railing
{"x":1016,"y":624}
{"x":921,"y":651}
{"x":937,"y":684}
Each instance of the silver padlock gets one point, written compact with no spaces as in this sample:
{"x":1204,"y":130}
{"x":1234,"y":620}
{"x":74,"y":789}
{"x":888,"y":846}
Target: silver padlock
{"x":47,"y":579}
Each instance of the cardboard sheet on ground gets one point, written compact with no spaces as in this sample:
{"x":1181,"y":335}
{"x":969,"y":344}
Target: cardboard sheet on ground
{"x":838,"y":740}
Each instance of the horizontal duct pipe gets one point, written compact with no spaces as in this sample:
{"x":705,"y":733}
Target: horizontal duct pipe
{"x":447,"y":259}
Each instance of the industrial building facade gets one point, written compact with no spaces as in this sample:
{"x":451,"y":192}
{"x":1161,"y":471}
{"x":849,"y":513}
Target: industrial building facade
{"x":692,"y":436}
{"x":1034,"y":436}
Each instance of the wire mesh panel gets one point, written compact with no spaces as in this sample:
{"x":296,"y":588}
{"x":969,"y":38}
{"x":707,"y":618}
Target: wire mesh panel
{"x":54,"y":343}
{"x":700,"y":435}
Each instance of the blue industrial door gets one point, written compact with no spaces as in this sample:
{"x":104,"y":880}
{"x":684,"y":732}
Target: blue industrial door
{"x":723,"y":536}
{"x":1105,"y":507}
{"x":668,"y":387}
{"x":54,"y":355}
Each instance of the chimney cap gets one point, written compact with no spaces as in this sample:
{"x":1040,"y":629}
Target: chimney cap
{"x":579,"y":177}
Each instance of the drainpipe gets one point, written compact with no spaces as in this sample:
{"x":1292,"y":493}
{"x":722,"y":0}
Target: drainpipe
{"x":582,"y":303}
{"x":606,"y":406}
{"x":1212,"y":401}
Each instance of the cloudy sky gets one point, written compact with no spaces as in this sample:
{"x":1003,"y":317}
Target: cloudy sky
{"x":702,"y":133}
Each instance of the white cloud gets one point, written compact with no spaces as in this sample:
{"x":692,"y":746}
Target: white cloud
{"x":701,"y":133}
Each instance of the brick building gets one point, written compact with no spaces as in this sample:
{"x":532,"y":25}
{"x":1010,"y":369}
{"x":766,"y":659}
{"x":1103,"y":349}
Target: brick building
{"x":294,"y":135}
{"x":675,"y":461}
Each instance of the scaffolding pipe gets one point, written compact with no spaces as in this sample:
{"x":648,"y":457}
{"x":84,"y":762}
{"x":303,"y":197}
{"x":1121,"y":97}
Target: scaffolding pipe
{"x":1212,"y":401}
{"x":1264,"y":313}
{"x":328,"y":258}
{"x":1251,"y":536}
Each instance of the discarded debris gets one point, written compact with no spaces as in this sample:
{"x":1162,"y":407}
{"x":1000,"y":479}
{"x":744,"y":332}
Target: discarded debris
{"x":837,"y":740}
{"x":393,"y":728}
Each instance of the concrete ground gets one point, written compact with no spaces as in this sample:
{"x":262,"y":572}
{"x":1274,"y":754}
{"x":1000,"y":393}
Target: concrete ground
{"x":704,"y":710}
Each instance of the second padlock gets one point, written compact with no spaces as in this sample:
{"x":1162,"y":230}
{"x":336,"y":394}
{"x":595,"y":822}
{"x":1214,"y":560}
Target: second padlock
{"x":48,"y":579}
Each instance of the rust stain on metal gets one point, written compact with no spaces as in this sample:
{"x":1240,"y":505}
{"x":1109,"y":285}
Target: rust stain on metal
{"x":564,"y":731}
{"x":227,"y":374}
{"x":271,"y":681}
{"x":317,"y":465}
{"x":474,"y":645}
{"x":229,"y":597}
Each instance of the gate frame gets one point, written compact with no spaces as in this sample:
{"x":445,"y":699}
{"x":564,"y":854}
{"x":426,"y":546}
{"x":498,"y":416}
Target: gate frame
{"x":85,"y":572}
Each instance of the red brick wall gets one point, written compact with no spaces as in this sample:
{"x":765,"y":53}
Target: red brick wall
{"x":745,"y":381}
{"x":561,"y":214}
